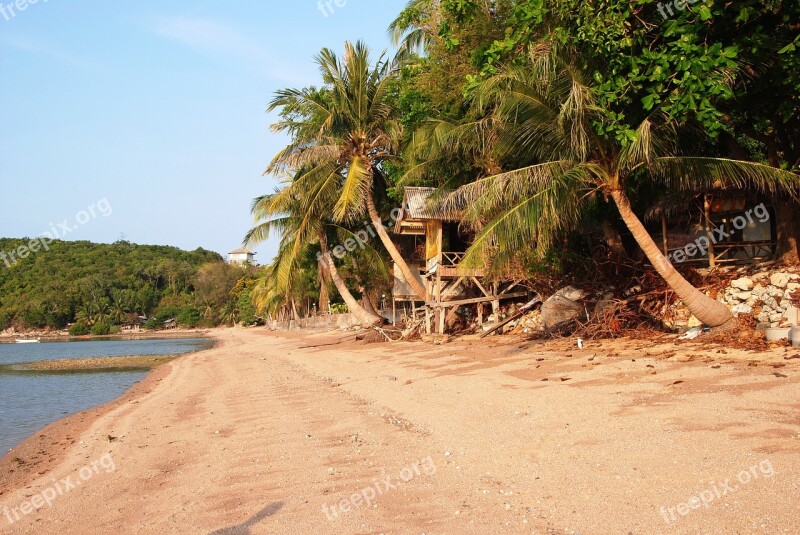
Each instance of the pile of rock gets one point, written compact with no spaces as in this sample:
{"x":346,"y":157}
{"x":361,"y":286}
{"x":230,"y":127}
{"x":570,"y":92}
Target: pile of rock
{"x":563,"y":307}
{"x":767,"y":295}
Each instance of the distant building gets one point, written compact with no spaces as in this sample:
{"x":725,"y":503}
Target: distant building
{"x":241,"y":256}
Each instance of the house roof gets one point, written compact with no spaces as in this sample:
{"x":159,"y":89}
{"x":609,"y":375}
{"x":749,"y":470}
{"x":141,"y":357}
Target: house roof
{"x":241,"y":250}
{"x":426,"y":203}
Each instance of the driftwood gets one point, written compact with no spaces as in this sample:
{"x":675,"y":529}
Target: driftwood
{"x":394,"y":335}
{"x":527,"y":307}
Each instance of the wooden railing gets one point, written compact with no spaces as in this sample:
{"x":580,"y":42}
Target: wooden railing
{"x":729,"y":253}
{"x":452,"y":259}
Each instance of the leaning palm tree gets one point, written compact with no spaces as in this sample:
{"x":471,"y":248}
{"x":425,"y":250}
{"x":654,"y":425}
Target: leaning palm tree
{"x":341,"y":136}
{"x":548,"y":114}
{"x":298,"y":213}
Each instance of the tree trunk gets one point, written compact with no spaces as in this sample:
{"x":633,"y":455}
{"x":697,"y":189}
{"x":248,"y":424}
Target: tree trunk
{"x":368,"y":306}
{"x":399,"y":261}
{"x":787,"y":224}
{"x":324,"y":292}
{"x":613,"y":241}
{"x":710,"y":311}
{"x":353,"y":305}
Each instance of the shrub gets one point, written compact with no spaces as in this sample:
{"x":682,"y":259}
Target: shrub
{"x":189,"y":317}
{"x":101,"y":329}
{"x":339,"y":308}
{"x":79,"y":329}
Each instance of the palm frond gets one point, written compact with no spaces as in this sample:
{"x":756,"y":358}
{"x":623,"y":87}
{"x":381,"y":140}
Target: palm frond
{"x":696,"y":173}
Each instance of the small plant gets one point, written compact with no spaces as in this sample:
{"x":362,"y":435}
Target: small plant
{"x":339,"y":308}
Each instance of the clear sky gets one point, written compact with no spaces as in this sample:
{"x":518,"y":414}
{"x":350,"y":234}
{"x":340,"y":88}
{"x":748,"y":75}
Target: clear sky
{"x":154,"y":112}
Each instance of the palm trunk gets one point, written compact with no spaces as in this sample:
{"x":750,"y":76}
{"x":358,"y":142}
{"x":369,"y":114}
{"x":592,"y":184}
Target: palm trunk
{"x":399,"y":261}
{"x":710,"y":311}
{"x":324,"y":292}
{"x":368,"y":306}
{"x":353,"y":305}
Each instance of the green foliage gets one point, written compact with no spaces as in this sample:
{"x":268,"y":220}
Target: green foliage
{"x":189,"y":317}
{"x":79,"y":329}
{"x":339,"y":308}
{"x":101,"y":329}
{"x":643,"y":56}
{"x":93,"y":284}
{"x":247,"y":311}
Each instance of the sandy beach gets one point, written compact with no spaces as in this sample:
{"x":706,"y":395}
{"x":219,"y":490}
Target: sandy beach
{"x":282,"y":433}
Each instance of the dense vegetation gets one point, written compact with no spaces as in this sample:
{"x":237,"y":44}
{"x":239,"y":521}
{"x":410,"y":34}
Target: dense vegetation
{"x":552,"y":120}
{"x":99,"y":287}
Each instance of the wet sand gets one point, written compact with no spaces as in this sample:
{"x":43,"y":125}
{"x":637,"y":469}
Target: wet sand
{"x":269,"y":433}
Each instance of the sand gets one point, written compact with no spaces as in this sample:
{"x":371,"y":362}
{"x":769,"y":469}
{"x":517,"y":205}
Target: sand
{"x":140,"y":362}
{"x":267,"y":433}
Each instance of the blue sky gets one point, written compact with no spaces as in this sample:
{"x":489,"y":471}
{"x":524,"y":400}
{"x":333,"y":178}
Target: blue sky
{"x":156,"y":107}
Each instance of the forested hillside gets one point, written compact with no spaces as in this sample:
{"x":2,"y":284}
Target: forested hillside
{"x":101,"y":286}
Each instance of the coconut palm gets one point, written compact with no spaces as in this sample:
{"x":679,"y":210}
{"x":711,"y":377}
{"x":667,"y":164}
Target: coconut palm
{"x":411,"y":30}
{"x":297,"y":213}
{"x":341,"y":136}
{"x":548,"y":114}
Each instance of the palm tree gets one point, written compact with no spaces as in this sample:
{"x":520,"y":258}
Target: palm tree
{"x":342,"y":135}
{"x":411,"y":31}
{"x":297,"y":212}
{"x":547,"y":114}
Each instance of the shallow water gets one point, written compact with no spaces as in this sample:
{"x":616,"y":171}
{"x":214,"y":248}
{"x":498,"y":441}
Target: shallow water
{"x":30,"y":401}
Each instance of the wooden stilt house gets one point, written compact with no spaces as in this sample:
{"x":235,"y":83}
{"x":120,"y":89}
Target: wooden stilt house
{"x":448,"y":286}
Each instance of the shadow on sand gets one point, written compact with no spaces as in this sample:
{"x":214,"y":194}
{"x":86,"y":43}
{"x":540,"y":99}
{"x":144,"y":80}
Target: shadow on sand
{"x":244,"y":529}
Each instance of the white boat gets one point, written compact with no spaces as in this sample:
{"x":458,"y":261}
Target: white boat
{"x":22,"y":341}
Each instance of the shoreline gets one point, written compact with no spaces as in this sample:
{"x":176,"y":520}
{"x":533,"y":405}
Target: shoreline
{"x":44,"y":450}
{"x":141,"y":335}
{"x":264,"y":431}
{"x":48,"y":446}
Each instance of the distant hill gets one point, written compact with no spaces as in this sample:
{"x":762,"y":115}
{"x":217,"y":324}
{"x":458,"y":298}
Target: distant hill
{"x":108,"y":284}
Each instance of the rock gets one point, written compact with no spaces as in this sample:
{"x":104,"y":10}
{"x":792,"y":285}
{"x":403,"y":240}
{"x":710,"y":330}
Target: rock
{"x":760,"y":276}
{"x":742,"y":309}
{"x":573,"y":294}
{"x":763,"y":317}
{"x":562,"y":307}
{"x":694,"y":322}
{"x":792,"y":315}
{"x":780,"y":280}
{"x":743,"y":296}
{"x":759,"y":290}
{"x":744,"y":284}
{"x":774,"y":291}
{"x":793,"y":286}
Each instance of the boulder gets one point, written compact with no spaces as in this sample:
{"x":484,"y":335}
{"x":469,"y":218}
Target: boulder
{"x":741,"y":309}
{"x":694,"y":322}
{"x":745,"y":284}
{"x":780,"y":280}
{"x":563,"y":307}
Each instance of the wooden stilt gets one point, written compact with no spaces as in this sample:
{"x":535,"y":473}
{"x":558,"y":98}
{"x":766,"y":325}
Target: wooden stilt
{"x":712,"y":260}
